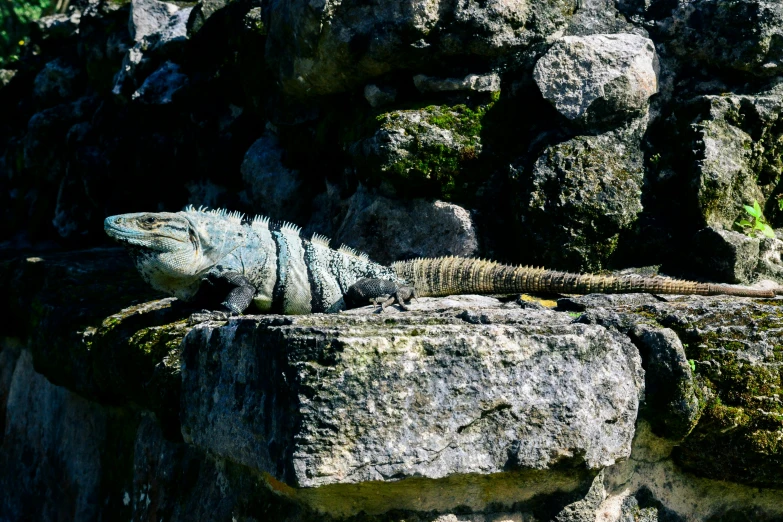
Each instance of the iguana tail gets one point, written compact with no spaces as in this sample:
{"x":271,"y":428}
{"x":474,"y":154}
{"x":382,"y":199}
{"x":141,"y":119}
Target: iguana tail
{"x":457,"y":275}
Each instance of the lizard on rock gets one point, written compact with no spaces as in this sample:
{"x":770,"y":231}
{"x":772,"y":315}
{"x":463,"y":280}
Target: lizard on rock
{"x":252,"y":262}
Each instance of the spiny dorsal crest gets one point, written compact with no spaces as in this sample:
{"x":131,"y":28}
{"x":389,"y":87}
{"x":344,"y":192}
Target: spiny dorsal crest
{"x":320,"y":240}
{"x":260,"y":223}
{"x":350,"y":252}
{"x":234,"y":217}
{"x":290,"y":229}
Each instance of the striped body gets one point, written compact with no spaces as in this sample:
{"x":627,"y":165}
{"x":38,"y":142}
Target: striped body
{"x":290,"y":274}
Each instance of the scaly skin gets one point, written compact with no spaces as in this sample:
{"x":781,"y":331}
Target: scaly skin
{"x":454,"y":275}
{"x":275,"y":269}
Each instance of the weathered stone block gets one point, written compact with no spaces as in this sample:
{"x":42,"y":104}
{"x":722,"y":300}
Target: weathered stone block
{"x":349,"y":398}
{"x":599,"y":78}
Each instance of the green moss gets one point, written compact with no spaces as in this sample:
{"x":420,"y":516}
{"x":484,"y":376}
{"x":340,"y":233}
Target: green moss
{"x":739,"y":436}
{"x":427,"y":161}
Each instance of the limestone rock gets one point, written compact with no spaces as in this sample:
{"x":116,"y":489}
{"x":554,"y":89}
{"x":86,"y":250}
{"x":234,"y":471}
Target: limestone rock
{"x":734,"y":346}
{"x":149,"y":17}
{"x":61,"y":25}
{"x":379,"y":96}
{"x":744,"y":36}
{"x":770,"y":262}
{"x":392,"y":229}
{"x":57,"y":82}
{"x":61,"y":433}
{"x":670,"y":389}
{"x":598,"y":78}
{"x":585,"y":192}
{"x":359,"y":398}
{"x":160,"y":86}
{"x":274,"y":189}
{"x":202,"y":11}
{"x":725,"y":255}
{"x":422,"y":151}
{"x":736,"y":158}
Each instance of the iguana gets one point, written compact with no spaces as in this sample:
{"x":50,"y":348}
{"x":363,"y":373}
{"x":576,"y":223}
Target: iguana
{"x":274,"y":268}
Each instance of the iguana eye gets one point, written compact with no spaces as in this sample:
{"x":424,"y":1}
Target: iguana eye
{"x":149,"y":220}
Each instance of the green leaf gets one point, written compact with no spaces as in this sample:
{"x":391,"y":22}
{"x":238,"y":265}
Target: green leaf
{"x":766,"y":230}
{"x":752,"y":210}
{"x":744,"y":223}
{"x":692,"y":364}
{"x":756,"y":207}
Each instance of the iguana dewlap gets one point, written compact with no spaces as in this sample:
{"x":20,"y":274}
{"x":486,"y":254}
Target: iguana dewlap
{"x":278,"y":271}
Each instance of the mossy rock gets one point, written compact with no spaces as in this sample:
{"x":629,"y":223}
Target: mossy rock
{"x":60,"y":302}
{"x":736,"y":349}
{"x":584,"y":193}
{"x":433,"y":150}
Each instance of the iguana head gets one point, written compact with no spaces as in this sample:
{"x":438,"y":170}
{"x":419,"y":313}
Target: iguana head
{"x":166,"y":248}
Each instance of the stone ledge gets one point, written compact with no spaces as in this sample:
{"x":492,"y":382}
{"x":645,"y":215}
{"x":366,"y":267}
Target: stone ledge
{"x":339,"y":399}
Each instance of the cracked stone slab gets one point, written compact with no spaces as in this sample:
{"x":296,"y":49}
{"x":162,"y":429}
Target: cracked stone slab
{"x":340,"y":399}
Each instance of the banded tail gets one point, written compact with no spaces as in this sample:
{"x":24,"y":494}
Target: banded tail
{"x":457,"y":275}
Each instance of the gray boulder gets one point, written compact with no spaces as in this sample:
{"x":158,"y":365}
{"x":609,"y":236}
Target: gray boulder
{"x":160,"y":86}
{"x":273,"y":189}
{"x":743,"y":36}
{"x":736,"y":158}
{"x":156,"y":27}
{"x":60,"y":25}
{"x":770,"y":259}
{"x":393,"y":229}
{"x":422,"y":151}
{"x":726,"y":255}
{"x":359,"y":398}
{"x":150,"y":17}
{"x":379,"y":96}
{"x":598,"y":78}
{"x":585,"y":192}
{"x":58,"y":81}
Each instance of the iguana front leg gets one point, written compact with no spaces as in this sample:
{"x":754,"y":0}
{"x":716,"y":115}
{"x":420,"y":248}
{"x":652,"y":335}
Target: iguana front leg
{"x":239,"y":295}
{"x":378,"y":292}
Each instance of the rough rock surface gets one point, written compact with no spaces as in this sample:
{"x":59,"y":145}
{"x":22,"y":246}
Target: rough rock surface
{"x":56,"y":82}
{"x":422,"y":150}
{"x":601,"y":77}
{"x":160,"y":86}
{"x":150,"y":17}
{"x":391,"y":229}
{"x":725,"y":255}
{"x":744,"y":36}
{"x":338,"y":45}
{"x":593,"y":184}
{"x":274,"y":189}
{"x":475,"y":406}
{"x":471,"y":82}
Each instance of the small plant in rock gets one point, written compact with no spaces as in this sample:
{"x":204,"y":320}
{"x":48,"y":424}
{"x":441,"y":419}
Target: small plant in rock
{"x":755,"y":222}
